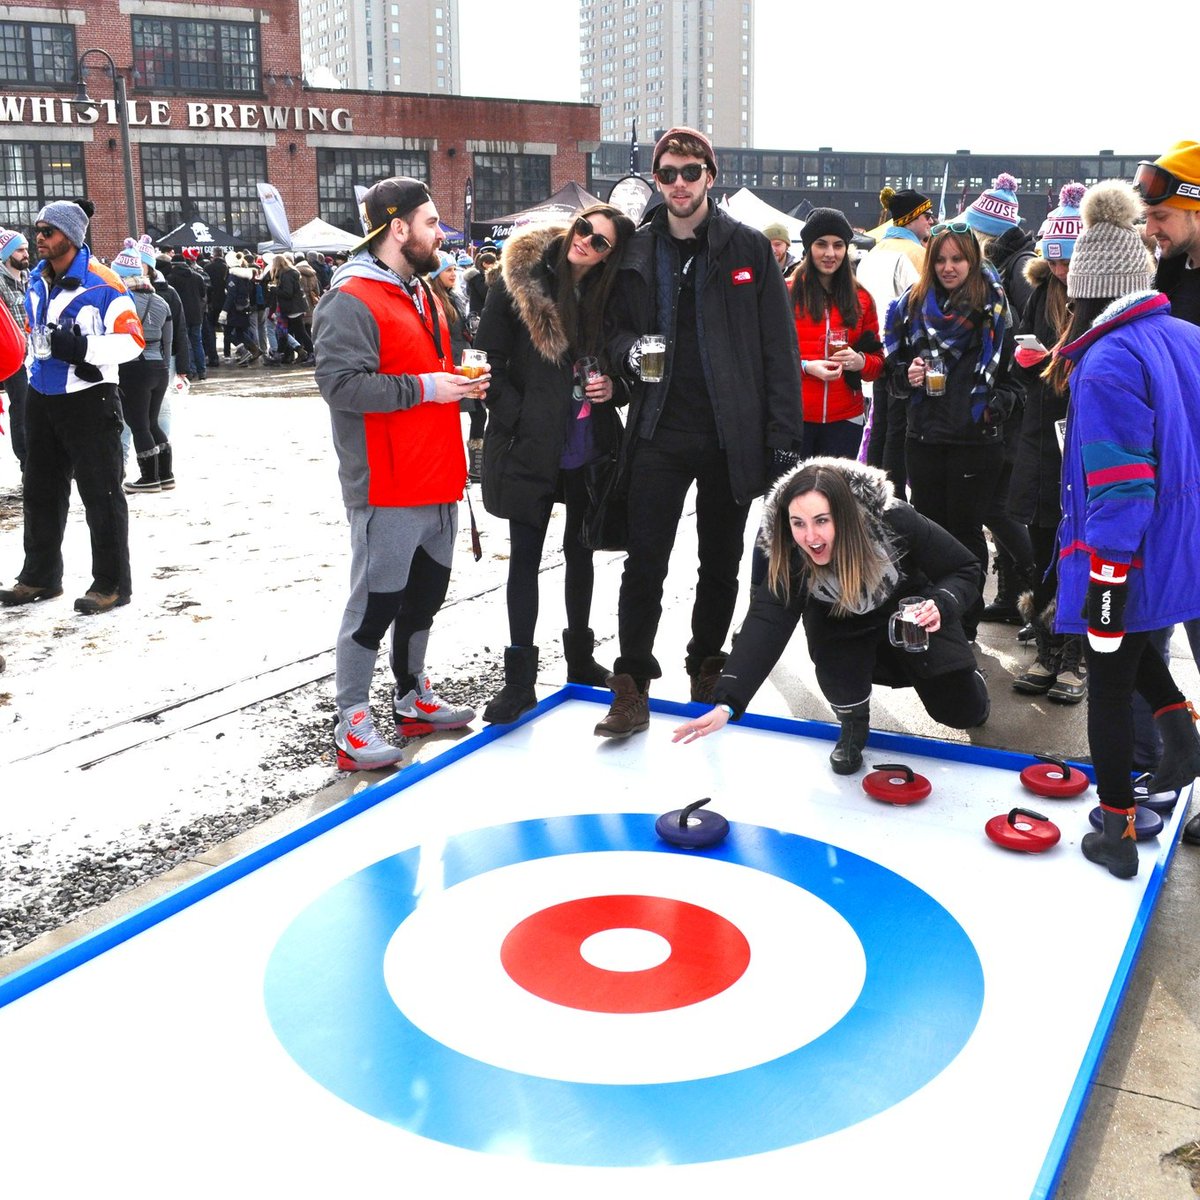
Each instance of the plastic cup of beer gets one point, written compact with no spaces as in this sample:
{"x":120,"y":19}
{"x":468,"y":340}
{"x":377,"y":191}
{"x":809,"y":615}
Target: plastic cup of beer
{"x":838,"y":340}
{"x":903,"y":630}
{"x":474,"y":364}
{"x":935,"y":377}
{"x":653,"y":364}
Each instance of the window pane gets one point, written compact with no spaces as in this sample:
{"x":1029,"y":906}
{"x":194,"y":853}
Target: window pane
{"x":211,"y":183}
{"x":339,"y":170}
{"x":32,"y":174}
{"x":35,"y":52}
{"x":506,"y":183}
{"x":198,"y":56}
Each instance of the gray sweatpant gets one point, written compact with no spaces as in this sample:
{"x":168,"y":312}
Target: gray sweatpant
{"x":399,"y":572}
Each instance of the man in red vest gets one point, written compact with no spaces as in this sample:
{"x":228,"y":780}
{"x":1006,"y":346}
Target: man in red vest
{"x":386,"y":372}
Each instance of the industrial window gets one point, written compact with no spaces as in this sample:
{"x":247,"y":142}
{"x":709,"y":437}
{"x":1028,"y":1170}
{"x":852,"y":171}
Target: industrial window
{"x":34,"y":173}
{"x":505,"y":183}
{"x":217,"y":184}
{"x":36,"y":54}
{"x":339,"y":170}
{"x":173,"y":53}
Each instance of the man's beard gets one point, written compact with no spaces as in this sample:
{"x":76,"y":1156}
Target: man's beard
{"x":689,"y":208}
{"x":421,"y":261}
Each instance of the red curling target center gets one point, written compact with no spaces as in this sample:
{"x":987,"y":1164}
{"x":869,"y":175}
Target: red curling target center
{"x":543,"y":954}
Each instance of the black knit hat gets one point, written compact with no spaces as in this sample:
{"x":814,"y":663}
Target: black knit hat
{"x":904,"y":206}
{"x":822,"y":222}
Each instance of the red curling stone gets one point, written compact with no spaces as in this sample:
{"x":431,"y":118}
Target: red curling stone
{"x":894,"y":783}
{"x":1054,"y":779}
{"x":1023,"y":829}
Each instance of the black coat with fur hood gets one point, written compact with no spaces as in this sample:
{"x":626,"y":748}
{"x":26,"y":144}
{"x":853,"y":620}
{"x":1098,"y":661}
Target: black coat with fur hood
{"x":529,"y":399}
{"x":931,"y":563}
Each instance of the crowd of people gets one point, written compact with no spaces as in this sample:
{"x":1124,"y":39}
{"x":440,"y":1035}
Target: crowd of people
{"x":966,"y":384}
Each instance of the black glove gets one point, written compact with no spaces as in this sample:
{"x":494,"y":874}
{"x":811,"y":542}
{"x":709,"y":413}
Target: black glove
{"x":70,"y":345}
{"x":783,"y":461}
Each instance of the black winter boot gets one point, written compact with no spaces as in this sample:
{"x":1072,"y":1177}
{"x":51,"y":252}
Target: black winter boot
{"x":704,"y":679}
{"x":856,"y":725}
{"x":166,"y":476}
{"x":1180,"y":762}
{"x":1040,"y":677}
{"x":578,"y":645}
{"x":1115,"y":847}
{"x":517,"y":696}
{"x":1008,"y":588}
{"x":147,"y":461}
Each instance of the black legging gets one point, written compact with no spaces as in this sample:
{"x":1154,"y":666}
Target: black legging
{"x":143,"y":386}
{"x":1112,"y":680}
{"x":1044,"y":545}
{"x":525,"y":559}
{"x":297,"y":329}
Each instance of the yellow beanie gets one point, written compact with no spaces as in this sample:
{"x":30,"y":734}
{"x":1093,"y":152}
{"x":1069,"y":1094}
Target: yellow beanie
{"x":1183,"y":161}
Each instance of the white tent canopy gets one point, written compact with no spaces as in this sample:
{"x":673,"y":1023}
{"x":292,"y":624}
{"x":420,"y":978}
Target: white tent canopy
{"x":317,"y":236}
{"x":750,"y":210}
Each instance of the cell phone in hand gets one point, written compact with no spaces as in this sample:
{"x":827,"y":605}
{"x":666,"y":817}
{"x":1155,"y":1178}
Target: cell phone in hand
{"x":1029,"y":341}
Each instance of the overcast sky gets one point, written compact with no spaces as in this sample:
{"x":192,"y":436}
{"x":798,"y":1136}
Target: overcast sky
{"x":985,"y":78}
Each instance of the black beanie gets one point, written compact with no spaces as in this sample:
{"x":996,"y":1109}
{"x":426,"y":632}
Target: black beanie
{"x":823,"y":221}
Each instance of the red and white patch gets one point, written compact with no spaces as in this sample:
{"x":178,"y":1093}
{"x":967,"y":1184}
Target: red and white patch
{"x":626,"y":966}
{"x":740,"y":275}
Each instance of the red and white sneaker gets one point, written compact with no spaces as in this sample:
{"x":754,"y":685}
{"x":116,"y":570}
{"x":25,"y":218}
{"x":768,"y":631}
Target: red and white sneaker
{"x":359,"y":746}
{"x":423,"y":711}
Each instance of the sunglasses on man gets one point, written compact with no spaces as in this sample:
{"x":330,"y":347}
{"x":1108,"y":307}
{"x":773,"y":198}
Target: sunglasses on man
{"x":690,"y":173}
{"x":45,"y":231}
{"x":1154,"y":184}
{"x":598,"y":241}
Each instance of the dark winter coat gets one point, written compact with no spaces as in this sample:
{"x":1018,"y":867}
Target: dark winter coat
{"x":1181,"y":285}
{"x":192,"y":286}
{"x":217,"y":270}
{"x":181,"y":347}
{"x":1033,"y":489}
{"x":529,"y":399}
{"x":931,"y":564}
{"x":1010,"y":254}
{"x":290,"y":293}
{"x":747,"y":339}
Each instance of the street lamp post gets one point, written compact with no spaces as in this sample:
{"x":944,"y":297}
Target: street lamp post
{"x":83,"y":100}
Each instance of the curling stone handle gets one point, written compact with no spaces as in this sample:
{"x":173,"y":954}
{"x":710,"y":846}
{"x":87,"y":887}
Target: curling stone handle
{"x":1024,"y":812}
{"x":1054,"y":762}
{"x":684,"y":813}
{"x":908,"y":772}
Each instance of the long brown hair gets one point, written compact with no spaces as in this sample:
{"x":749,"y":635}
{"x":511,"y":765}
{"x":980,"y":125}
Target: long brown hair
{"x":437,"y":285}
{"x":1083,"y":315}
{"x":583,"y":314}
{"x":858,"y":561}
{"x":810,"y":296}
{"x":972,"y":295}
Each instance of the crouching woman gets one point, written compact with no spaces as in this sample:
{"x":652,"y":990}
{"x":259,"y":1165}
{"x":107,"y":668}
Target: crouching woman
{"x":843,"y":552}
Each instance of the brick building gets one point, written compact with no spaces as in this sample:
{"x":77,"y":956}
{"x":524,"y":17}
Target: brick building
{"x":216,"y":105}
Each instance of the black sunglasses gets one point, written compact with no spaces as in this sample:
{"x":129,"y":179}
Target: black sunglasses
{"x":690,"y":173}
{"x":599,"y":242}
{"x":45,"y":230}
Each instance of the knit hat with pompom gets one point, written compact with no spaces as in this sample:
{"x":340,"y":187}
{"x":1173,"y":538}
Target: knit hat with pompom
{"x":1110,"y":258}
{"x":129,"y":262}
{"x":995,"y":211}
{"x":1063,"y":224}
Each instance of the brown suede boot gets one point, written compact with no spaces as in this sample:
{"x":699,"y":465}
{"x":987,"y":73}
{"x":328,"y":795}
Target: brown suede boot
{"x":630,"y":710}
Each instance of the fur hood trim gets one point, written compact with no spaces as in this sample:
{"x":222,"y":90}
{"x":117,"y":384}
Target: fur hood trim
{"x":522,"y":266}
{"x":1037,"y":271}
{"x":870,"y":486}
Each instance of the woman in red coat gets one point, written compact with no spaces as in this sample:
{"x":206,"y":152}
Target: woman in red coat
{"x":838,"y":334}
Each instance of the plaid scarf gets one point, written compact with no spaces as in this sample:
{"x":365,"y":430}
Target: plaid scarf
{"x":948,"y":333}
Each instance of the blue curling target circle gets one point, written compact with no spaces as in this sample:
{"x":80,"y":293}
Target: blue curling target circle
{"x":328,"y":1002}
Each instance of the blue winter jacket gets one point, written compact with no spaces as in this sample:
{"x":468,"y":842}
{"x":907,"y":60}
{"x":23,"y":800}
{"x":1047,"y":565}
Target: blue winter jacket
{"x":1131,"y":463}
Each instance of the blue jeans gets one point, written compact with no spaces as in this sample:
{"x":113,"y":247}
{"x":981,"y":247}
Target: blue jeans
{"x":196,"y":341}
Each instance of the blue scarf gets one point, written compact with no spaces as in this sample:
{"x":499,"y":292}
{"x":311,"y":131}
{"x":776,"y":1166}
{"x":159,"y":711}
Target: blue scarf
{"x":947,"y":333}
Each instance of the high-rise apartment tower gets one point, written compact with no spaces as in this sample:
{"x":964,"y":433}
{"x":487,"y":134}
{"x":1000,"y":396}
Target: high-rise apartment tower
{"x":382,"y":45}
{"x":669,"y":62}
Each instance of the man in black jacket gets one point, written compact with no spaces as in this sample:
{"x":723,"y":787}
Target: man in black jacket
{"x":192,"y":285}
{"x":730,"y":397}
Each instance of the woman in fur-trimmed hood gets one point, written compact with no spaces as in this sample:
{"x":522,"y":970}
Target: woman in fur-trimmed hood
{"x":548,"y":424}
{"x":842,"y":553}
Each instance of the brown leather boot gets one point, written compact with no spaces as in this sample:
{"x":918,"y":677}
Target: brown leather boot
{"x":704,"y":681}
{"x":630,"y":710}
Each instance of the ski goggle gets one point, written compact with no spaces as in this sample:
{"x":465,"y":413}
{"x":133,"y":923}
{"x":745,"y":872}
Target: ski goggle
{"x":599,"y":242}
{"x":690,"y":173}
{"x":1155,"y":184}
